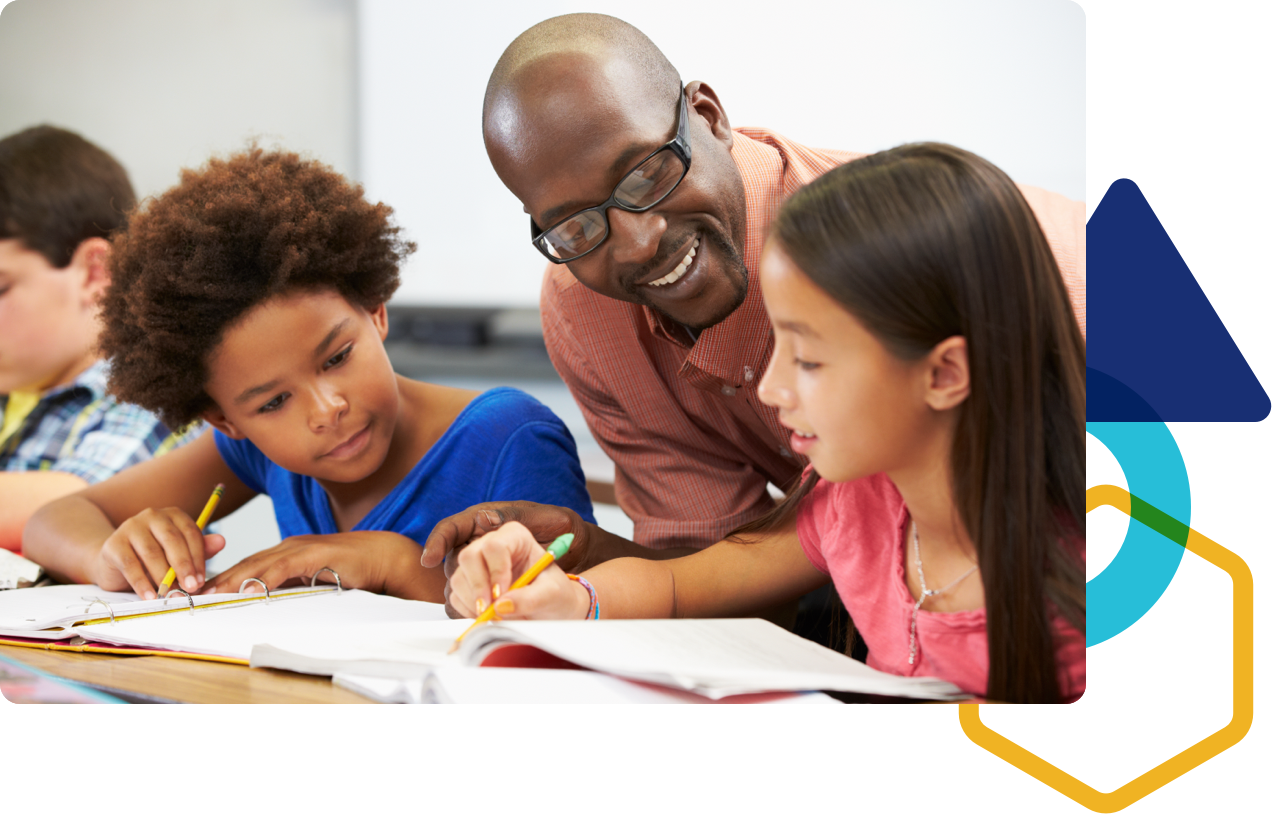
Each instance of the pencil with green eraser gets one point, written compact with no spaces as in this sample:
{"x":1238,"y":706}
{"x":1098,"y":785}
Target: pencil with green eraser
{"x":204,"y":517}
{"x":556,"y":550}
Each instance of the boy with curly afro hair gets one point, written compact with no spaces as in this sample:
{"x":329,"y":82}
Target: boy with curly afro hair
{"x":252,"y":295}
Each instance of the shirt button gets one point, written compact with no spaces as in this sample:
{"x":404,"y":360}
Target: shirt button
{"x":748,"y":373}
{"x":786,"y":453}
{"x":729,"y":390}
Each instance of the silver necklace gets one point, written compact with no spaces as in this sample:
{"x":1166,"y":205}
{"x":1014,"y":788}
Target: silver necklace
{"x":924,"y":593}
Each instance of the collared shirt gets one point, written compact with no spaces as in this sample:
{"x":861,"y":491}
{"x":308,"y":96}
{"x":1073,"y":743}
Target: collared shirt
{"x":81,"y":430}
{"x":694,"y":448}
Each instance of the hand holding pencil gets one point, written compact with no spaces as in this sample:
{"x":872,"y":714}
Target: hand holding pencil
{"x":201,"y":523}
{"x":483,"y":585}
{"x":154,"y":544}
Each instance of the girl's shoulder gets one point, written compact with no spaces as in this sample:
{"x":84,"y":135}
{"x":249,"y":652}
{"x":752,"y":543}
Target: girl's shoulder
{"x":863,"y":498}
{"x":836,"y":519}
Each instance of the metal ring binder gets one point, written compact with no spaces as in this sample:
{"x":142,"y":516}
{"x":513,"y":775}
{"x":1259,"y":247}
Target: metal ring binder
{"x":99,"y":601}
{"x":264,"y":587}
{"x":313,"y":581}
{"x":189,"y":598}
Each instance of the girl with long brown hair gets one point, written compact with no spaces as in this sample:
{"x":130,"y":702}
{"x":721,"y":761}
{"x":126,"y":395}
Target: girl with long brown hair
{"x":928,"y":363}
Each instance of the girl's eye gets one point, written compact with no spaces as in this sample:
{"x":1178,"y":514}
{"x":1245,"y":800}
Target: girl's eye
{"x":273,"y":404}
{"x":338,"y":358}
{"x":807,"y":365}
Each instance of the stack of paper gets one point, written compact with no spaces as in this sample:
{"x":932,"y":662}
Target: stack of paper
{"x":477,"y":685}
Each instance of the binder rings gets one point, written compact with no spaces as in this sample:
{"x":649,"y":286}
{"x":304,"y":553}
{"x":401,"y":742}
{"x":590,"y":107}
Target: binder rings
{"x":219,"y":627}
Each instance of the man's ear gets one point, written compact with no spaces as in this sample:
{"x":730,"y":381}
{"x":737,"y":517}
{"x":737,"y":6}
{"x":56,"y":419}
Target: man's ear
{"x":90,"y":258}
{"x":704,"y":102}
{"x":949,"y":378}
{"x":380,"y":318}
{"x":217,"y":419}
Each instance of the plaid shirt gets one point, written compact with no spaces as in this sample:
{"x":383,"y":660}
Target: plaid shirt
{"x":694,"y":448}
{"x":81,"y":430}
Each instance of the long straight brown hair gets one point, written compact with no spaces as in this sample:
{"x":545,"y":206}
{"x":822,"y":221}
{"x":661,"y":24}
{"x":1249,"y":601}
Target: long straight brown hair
{"x":927,"y":241}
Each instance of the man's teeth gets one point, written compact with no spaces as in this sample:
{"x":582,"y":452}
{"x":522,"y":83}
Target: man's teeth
{"x":804,"y":434}
{"x":679,"y":270}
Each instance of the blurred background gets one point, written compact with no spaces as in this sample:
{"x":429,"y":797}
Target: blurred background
{"x":389,"y":92}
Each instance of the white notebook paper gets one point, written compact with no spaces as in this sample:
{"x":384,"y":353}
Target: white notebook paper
{"x":713,"y":657}
{"x":478,"y":685}
{"x":59,"y":612}
{"x":232,"y":632}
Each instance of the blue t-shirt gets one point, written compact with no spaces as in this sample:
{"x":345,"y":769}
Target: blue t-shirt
{"x":505,"y":445}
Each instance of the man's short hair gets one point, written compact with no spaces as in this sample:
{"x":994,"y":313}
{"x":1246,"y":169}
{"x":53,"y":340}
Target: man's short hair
{"x":57,"y":190}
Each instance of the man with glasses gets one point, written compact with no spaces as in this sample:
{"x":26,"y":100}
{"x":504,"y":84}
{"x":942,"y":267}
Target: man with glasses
{"x":651,"y":210}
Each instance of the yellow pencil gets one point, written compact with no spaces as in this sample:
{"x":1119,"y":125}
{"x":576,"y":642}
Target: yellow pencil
{"x":204,"y":517}
{"x":555,"y":551}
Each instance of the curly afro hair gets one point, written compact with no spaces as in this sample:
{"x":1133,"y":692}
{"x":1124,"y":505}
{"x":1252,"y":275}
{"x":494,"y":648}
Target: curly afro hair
{"x":232,"y":235}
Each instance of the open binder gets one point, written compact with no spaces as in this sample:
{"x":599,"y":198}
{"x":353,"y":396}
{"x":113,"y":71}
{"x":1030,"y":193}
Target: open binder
{"x":219,"y":627}
{"x":59,"y":612}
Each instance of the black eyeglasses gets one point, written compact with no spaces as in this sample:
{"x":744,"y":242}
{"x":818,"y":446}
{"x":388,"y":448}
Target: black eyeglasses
{"x":643,"y":188}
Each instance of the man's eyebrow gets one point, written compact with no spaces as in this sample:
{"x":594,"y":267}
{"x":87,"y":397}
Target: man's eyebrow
{"x":331,"y":336}
{"x":624,"y":158}
{"x":258,"y":390}
{"x":801,"y":328}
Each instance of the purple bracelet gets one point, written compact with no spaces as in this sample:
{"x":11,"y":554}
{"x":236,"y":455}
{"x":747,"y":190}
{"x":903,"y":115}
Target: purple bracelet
{"x":593,"y":604}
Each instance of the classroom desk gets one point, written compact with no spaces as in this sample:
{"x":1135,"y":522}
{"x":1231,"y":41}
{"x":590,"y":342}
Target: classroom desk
{"x":189,"y":681}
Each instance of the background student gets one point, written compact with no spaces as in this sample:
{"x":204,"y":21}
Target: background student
{"x":61,"y":197}
{"x":252,"y":295}
{"x":928,"y":363}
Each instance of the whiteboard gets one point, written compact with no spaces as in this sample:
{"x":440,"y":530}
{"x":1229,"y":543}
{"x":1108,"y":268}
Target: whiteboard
{"x":1002,"y":78}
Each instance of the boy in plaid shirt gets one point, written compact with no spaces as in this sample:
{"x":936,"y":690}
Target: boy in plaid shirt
{"x":60,"y":199}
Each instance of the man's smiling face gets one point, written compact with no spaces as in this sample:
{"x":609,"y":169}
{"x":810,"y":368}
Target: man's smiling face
{"x":571,"y":126}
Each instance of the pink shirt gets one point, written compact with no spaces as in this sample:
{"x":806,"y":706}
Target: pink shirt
{"x":856,"y":533}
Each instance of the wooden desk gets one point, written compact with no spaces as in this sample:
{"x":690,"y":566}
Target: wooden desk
{"x":185,"y":680}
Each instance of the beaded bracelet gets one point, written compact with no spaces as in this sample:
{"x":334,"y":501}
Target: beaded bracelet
{"x":593,"y":604}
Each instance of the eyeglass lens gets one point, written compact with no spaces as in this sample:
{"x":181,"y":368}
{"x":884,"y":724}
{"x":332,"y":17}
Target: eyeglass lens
{"x":641,"y":188}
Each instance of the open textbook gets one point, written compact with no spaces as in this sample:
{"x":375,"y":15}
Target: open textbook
{"x":716,"y":658}
{"x":325,"y":630}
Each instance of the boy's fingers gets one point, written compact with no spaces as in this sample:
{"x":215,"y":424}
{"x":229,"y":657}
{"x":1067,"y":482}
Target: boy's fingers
{"x":213,"y":544}
{"x":175,"y":549}
{"x":194,"y":544}
{"x":151,"y":554}
{"x":127,"y":564}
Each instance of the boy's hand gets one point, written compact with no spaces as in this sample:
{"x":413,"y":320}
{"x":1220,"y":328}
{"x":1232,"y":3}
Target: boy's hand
{"x":377,"y":561}
{"x":141,"y":550}
{"x":487,"y":568}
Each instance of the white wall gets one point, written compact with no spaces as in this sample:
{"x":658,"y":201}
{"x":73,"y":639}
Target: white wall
{"x":1003,"y":78}
{"x":1178,"y":98}
{"x":162,"y":84}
